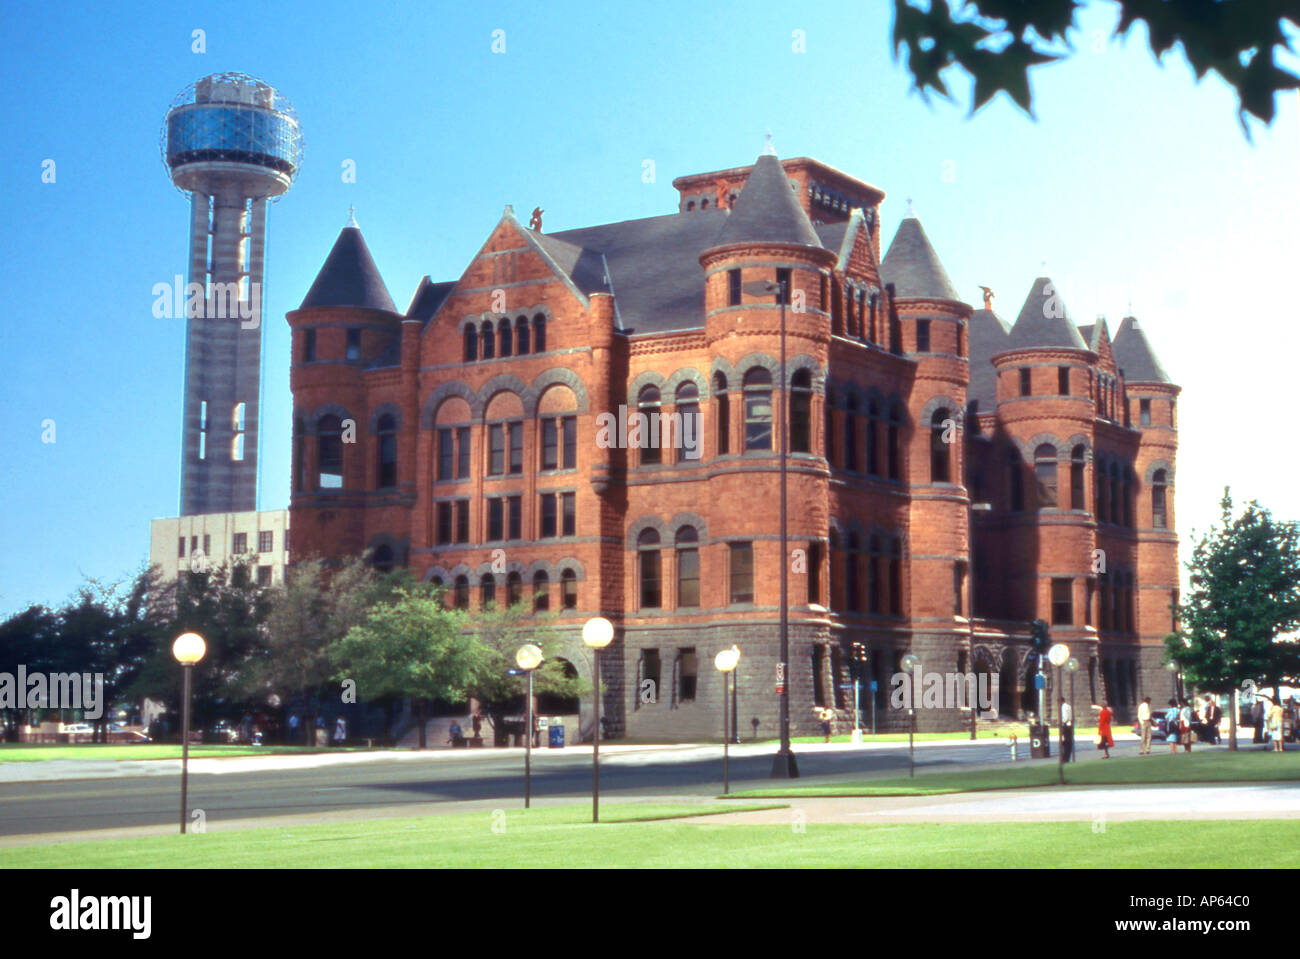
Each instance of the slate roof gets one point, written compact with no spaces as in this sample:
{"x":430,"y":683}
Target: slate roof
{"x":913,"y":267}
{"x":1133,"y":354}
{"x":767,"y":210}
{"x":1044,"y":321}
{"x":428,"y":297}
{"x":988,"y":337}
{"x":349,"y":277}
{"x":653,"y":265}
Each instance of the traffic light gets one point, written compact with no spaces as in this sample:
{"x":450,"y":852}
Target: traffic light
{"x":1040,"y":635}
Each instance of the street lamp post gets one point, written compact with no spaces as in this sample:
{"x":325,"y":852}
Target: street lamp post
{"x":528,"y":657}
{"x":1072,"y":667}
{"x":1058,"y":656}
{"x":783,"y":764}
{"x":597,"y":633}
{"x":911,"y":664}
{"x":188,"y":649}
{"x":726,"y":662}
{"x":970,"y":559}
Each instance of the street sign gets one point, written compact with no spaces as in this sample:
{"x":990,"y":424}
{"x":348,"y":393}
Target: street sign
{"x":846,"y":685}
{"x":1040,"y":681}
{"x":875,"y":686}
{"x":512,"y":671}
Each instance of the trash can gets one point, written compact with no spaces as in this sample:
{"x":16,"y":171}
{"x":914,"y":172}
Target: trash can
{"x":1040,"y":742}
{"x":555,"y":740}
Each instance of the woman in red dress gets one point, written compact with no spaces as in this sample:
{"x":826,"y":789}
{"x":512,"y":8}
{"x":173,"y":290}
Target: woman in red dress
{"x":1104,"y":739}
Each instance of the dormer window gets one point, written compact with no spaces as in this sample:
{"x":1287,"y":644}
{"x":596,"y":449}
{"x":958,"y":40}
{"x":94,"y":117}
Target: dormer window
{"x":354,"y":344}
{"x":923,"y":336}
{"x":1144,"y":407}
{"x":1024,"y":381}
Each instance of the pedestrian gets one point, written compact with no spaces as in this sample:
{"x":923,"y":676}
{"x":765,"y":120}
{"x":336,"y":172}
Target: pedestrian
{"x":455,"y":736}
{"x":1105,"y":741}
{"x":1257,"y":720}
{"x":1213,"y":716}
{"x":1275,"y":726}
{"x":1067,"y":732}
{"x":1185,"y":723}
{"x":1171,"y":725}
{"x":824,"y":717}
{"x":340,"y":731}
{"x":293,"y":727}
{"x":1144,"y":727}
{"x":477,"y":722}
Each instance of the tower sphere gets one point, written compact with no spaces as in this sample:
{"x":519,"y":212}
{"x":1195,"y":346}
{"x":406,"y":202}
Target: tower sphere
{"x":230,"y":132}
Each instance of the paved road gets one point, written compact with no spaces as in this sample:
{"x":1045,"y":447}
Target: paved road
{"x":127,"y":801}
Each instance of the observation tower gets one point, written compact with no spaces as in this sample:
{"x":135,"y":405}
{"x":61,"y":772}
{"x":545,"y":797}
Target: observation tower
{"x":231,"y":143}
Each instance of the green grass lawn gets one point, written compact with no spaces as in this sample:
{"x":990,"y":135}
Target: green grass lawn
{"x":564,"y":836}
{"x":1160,"y":767}
{"x":32,"y":752}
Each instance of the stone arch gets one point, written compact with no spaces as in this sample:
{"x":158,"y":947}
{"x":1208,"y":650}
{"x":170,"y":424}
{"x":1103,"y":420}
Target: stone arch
{"x":398,"y":546}
{"x":640,"y":382}
{"x":759,"y":359}
{"x":1149,"y":476}
{"x":684,"y":375}
{"x":936,"y":403}
{"x":326,"y":409}
{"x":569,"y":562}
{"x":688,"y":519}
{"x":437,"y":571}
{"x":643,"y":523}
{"x":805,"y":362}
{"x":541,"y":566}
{"x":507,"y":383}
{"x":391,"y":409}
{"x":1078,"y":439}
{"x":560,"y":375}
{"x":454,"y":388}
{"x":721,"y":365}
{"x":1048,"y":439}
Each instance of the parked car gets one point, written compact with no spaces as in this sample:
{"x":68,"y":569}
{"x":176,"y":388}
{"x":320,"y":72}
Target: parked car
{"x":76,"y":728}
{"x":1159,"y":727}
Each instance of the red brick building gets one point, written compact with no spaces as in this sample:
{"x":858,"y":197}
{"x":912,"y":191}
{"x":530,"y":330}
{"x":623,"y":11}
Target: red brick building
{"x":489,"y":439}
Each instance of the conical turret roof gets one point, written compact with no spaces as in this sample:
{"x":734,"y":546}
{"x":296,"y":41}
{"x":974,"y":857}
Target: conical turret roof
{"x":349,"y":277}
{"x":767,"y":210}
{"x":1044,"y":321}
{"x":1133,"y":354}
{"x":913,"y":267}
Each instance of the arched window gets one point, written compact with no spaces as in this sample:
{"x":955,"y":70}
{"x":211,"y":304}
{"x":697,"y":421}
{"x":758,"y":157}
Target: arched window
{"x":569,"y":589}
{"x":514,"y":589}
{"x":940,"y":449}
{"x":382,"y":558}
{"x":722,"y":410}
{"x":837,"y":308}
{"x":299,"y":453}
{"x":471,"y":343}
{"x":329,"y":452}
{"x":1015,"y":479}
{"x":461,"y":598}
{"x":891,"y":441}
{"x":649,"y":569}
{"x":895,"y":577}
{"x":1045,"y":474}
{"x":1100,"y":487}
{"x":875,"y":573}
{"x":1076,"y":478}
{"x":505,"y":343}
{"x":687,"y":426}
{"x":829,"y":430}
{"x":1114,"y":493}
{"x":487,"y":591}
{"x":439,"y":596}
{"x":801,"y":412}
{"x":541,"y":591}
{"x":873,"y":439}
{"x":486,"y":341}
{"x":851,"y":433}
{"x":539,"y":333}
{"x":1159,"y":517}
{"x":1128,"y":496}
{"x":521,"y":336}
{"x":387,"y":465}
{"x":647,"y":405}
{"x":688,"y":567}
{"x":758,"y":409}
{"x":850,"y":312}
{"x":852,"y":588}
{"x":837,"y":580}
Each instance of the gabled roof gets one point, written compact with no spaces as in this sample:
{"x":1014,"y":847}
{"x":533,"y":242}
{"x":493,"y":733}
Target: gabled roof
{"x":428,"y":297}
{"x":767,"y":210}
{"x":586,"y":268}
{"x":913,"y":267}
{"x":349,"y":277}
{"x":988,"y":337}
{"x":653,"y":266}
{"x":1133,"y":354}
{"x":1044,"y":321}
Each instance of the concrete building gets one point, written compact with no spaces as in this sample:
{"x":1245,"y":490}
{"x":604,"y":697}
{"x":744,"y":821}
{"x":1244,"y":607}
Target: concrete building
{"x":215,"y":539}
{"x":506,"y":437}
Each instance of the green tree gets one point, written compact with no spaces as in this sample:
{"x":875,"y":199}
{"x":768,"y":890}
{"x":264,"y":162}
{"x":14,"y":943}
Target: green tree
{"x":997,"y":42}
{"x":498,"y":633}
{"x":1244,"y":603}
{"x":27,"y":638}
{"x":411,"y":647}
{"x":315,"y":608}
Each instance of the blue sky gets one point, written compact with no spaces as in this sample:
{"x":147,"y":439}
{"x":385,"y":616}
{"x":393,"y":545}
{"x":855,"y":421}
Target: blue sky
{"x":1134,"y":185}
